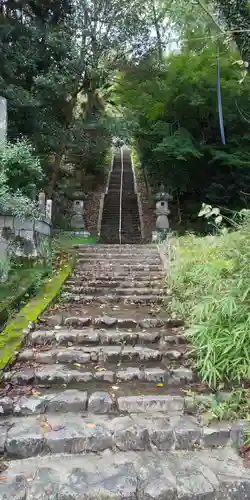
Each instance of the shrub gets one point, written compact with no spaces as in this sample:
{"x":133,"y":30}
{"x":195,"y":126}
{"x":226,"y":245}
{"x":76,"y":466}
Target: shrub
{"x":210,"y":280}
{"x":21,"y":167}
{"x":20,"y":173}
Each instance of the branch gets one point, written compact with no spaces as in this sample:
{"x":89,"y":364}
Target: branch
{"x":209,"y":15}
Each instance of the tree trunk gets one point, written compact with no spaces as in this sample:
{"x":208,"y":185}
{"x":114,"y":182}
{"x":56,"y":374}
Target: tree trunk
{"x":158,"y":33}
{"x":62,"y":146}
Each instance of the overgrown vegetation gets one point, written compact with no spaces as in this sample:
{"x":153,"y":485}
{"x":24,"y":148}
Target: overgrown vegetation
{"x":172,"y":106}
{"x":210,"y":280}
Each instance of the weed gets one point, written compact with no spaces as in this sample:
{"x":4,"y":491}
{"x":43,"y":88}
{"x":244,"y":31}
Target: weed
{"x":210,"y":281}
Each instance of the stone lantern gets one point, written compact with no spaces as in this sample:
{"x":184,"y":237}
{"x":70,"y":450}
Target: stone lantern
{"x":162,"y":211}
{"x":77,"y":219}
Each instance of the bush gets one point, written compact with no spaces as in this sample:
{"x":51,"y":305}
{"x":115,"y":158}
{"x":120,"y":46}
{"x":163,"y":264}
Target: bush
{"x":20,"y":173}
{"x":210,"y":280}
{"x":21,"y":167}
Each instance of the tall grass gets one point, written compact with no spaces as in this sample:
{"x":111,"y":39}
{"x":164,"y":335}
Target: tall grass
{"x":210,"y":281}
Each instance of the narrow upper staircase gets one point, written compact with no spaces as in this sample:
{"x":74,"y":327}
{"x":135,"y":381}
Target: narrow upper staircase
{"x":120,"y":220}
{"x":97,"y":404}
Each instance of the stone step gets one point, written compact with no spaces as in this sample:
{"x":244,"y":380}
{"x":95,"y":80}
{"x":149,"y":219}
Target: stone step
{"x":30,"y":436}
{"x":111,"y":274}
{"x":91,"y":336}
{"x":65,"y":375}
{"x":111,"y":299}
{"x":34,"y":402}
{"x":105,"y":321}
{"x":107,"y":283}
{"x":119,"y":291}
{"x":119,"y":248}
{"x":218,"y":474}
{"x":118,"y":256}
{"x":155,"y":263}
{"x":100,"y":354}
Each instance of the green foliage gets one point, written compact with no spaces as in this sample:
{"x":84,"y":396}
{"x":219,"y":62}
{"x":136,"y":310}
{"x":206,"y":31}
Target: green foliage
{"x":236,"y":406}
{"x":20,"y":176}
{"x":21,"y":167}
{"x":173,"y":110}
{"x":210,"y":281}
{"x":12,"y":336}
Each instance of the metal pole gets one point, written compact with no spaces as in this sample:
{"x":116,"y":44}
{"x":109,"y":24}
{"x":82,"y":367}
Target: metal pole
{"x":121,"y":192}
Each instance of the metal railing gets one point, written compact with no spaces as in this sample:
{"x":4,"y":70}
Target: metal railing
{"x":134,"y":176}
{"x":121,"y":193}
{"x":109,"y":174}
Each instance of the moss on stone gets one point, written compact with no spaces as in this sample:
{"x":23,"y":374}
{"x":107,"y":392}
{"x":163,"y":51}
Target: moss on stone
{"x":12,"y":336}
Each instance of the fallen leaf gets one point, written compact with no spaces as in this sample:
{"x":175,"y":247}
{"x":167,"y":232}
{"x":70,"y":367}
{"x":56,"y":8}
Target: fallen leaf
{"x":3,"y":466}
{"x":46,"y":427}
{"x":207,"y":418}
{"x":35,"y":393}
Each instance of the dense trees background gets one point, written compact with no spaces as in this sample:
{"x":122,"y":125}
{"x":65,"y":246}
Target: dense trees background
{"x":77,"y":72}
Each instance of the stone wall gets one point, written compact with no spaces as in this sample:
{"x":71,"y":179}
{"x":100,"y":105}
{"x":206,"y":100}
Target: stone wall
{"x":25,"y":237}
{"x":92,"y":208}
{"x":147,"y":206}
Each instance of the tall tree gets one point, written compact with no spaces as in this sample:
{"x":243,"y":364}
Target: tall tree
{"x":236,"y":14}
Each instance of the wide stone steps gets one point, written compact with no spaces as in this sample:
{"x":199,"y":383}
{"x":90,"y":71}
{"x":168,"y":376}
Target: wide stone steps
{"x":109,"y":275}
{"x":143,"y":475}
{"x":64,"y":375}
{"x":124,"y":262}
{"x":111,"y":299}
{"x":110,"y":322}
{"x":142,"y":283}
{"x":152,"y":256}
{"x":84,"y":336}
{"x":30,"y":436}
{"x":125,"y":267}
{"x":119,"y":290}
{"x":123,"y":249}
{"x":104,"y":353}
{"x":85,"y":354}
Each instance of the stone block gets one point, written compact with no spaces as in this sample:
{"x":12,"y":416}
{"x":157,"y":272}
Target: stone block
{"x":129,"y":436}
{"x":135,"y":404}
{"x":105,"y":321}
{"x":131,"y":373}
{"x":6,"y":406}
{"x":151,"y":323}
{"x":100,"y":402}
{"x":155,"y":375}
{"x":216,"y":435}
{"x":126,"y":323}
{"x":24,"y":439}
{"x":105,"y":376}
{"x":188,"y":432}
{"x":72,"y":356}
{"x":182,"y":374}
{"x":70,"y":400}
{"x":78,"y":322}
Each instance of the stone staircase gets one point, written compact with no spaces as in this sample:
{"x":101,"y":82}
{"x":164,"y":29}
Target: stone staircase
{"x":111,"y":208}
{"x":96,"y":406}
{"x":130,"y":220}
{"x":116,"y":274}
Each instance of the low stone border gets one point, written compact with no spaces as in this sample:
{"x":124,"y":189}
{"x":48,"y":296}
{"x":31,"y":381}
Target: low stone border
{"x":14,"y":301}
{"x":12,"y":336}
